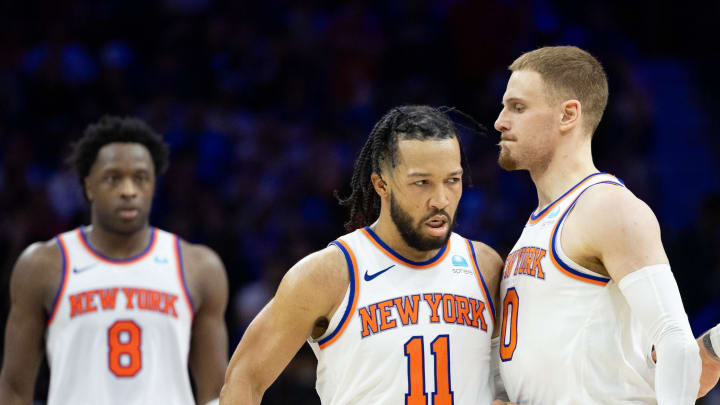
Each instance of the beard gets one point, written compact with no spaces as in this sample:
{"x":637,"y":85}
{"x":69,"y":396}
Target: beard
{"x":538,"y":160}
{"x":412,"y":234}
{"x":506,"y":161}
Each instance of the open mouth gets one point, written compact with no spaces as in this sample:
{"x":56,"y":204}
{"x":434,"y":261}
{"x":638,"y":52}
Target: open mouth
{"x":437,"y":225}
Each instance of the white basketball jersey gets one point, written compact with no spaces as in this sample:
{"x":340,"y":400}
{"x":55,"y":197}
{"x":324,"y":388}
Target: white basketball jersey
{"x":119,"y":332}
{"x":408,"y":332}
{"x":567,"y":334}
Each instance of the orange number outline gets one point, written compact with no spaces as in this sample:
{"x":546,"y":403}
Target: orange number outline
{"x":116,"y":348}
{"x":414,"y":351}
{"x":511,"y":299}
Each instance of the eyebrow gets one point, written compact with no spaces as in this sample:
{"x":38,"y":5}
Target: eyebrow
{"x":511,"y":99}
{"x":419,"y":174}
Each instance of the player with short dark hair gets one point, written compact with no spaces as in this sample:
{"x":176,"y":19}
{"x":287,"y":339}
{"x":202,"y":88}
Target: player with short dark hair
{"x":121,"y":308}
{"x":400,"y":310}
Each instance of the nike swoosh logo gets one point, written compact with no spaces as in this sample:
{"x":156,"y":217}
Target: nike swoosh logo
{"x":84,"y":268}
{"x":369,"y":277}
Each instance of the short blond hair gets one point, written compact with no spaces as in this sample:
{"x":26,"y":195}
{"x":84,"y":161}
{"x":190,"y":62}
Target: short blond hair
{"x":569,"y":73}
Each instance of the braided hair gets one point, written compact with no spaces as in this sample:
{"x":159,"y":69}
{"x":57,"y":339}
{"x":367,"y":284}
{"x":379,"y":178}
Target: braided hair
{"x":380,"y":150}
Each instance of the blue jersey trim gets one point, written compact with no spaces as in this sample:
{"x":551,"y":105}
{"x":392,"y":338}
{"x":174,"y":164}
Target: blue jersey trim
{"x":110,"y":259}
{"x":182,"y":275}
{"x":553,"y":238}
{"x":400,"y":257}
{"x":351,"y":298}
{"x":61,"y":246}
{"x":482,"y":279}
{"x":534,"y":216}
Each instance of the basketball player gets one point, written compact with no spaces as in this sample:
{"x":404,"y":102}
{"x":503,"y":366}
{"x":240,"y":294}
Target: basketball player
{"x":120,"y":307}
{"x":587,"y":291}
{"x":400,"y":309}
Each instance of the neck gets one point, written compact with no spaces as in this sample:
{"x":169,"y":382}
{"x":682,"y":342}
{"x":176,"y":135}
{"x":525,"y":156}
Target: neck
{"x":566,"y":168}
{"x":387,"y":231}
{"x":116,"y":245}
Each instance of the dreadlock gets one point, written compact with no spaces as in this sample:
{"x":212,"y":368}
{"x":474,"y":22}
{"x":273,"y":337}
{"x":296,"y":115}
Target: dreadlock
{"x":407,"y":122}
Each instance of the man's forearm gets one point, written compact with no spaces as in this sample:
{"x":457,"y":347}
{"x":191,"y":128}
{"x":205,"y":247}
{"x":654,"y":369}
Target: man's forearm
{"x":238,"y":389}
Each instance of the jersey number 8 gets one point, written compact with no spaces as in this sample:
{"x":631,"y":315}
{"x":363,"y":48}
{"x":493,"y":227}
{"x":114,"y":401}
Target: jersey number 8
{"x":124,"y":356}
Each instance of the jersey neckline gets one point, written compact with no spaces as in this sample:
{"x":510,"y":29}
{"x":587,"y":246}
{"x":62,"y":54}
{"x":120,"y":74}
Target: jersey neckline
{"x":375,"y":239}
{"x":535,"y":218}
{"x":99,"y":255}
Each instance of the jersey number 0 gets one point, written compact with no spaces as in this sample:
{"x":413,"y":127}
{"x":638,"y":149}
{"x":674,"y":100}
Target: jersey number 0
{"x":508,"y":333}
{"x":414,"y":351}
{"x":124,"y":339}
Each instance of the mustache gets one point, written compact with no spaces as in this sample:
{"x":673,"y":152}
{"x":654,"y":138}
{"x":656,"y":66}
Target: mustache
{"x":437,"y":212}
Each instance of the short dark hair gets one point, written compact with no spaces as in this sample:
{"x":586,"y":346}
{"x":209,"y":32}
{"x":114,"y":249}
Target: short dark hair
{"x":111,"y":129}
{"x":380,"y":151}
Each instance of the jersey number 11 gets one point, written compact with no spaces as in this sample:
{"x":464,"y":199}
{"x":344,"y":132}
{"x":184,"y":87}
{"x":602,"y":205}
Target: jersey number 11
{"x":415,"y":353}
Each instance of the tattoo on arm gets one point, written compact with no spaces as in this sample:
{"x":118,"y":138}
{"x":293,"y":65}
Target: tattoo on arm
{"x":708,"y":345}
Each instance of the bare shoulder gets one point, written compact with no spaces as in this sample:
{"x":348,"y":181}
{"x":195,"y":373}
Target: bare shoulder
{"x":200,"y":258}
{"x":319,"y":281}
{"x":490,"y":264}
{"x":609,"y":209}
{"x":612,"y":227}
{"x":204,"y":273}
{"x":38,"y":272}
{"x":327,"y":268}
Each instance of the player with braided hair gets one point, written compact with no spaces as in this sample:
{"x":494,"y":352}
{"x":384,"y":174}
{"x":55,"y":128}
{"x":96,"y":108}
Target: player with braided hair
{"x":399,"y":310}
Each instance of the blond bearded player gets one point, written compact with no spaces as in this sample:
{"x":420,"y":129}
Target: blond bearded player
{"x":587,"y":291}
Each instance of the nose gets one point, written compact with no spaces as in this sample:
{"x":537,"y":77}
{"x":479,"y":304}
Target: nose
{"x":128,"y":189}
{"x":501,"y":123}
{"x":439,"y":200}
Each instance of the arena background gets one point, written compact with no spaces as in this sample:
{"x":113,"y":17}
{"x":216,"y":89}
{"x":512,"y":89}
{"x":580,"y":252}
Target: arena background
{"x":266,"y":104}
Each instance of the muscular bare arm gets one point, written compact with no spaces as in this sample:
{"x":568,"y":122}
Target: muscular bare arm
{"x":209,"y":342}
{"x":310,"y":291}
{"x":33,"y":284}
{"x":613,"y":232}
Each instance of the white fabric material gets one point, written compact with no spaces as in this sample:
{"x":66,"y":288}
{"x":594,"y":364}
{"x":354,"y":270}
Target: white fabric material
{"x":495,"y":376}
{"x":101,"y":305}
{"x":654,"y":300}
{"x":369,"y":361}
{"x":568,"y":336}
{"x":215,"y":401}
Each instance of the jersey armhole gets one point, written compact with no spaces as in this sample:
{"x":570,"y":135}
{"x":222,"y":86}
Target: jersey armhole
{"x":350,"y":299}
{"x":481,"y":279}
{"x":562,"y":261}
{"x":181,"y":277}
{"x":63,"y":280}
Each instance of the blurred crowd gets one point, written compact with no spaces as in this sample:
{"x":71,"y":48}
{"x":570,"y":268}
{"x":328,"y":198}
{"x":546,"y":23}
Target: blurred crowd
{"x":266,"y":104}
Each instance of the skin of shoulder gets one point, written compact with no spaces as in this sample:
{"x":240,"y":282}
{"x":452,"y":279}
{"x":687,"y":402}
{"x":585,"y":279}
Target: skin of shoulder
{"x":35,"y":279}
{"x":208,"y":288}
{"x":612,"y":232}
{"x":491,"y":265}
{"x":311,"y":290}
{"x":710,"y":366}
